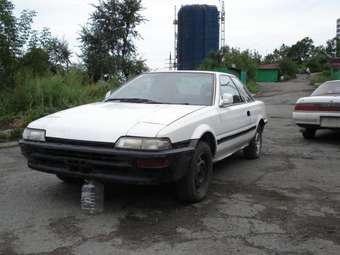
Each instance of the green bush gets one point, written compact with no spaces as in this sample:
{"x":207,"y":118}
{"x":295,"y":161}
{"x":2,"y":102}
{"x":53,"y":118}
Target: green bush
{"x":289,"y":68}
{"x":253,"y":87}
{"x":33,"y":97}
{"x":321,"y":78}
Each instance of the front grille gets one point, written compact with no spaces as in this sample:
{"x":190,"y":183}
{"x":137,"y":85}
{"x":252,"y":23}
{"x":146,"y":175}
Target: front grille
{"x":79,"y":161}
{"x":79,"y":142}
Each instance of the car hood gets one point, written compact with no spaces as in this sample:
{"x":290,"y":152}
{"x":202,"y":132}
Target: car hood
{"x":320,"y":99}
{"x":106,"y":122}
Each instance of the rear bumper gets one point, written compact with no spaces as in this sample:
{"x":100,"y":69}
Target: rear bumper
{"x":108,"y":164}
{"x":314,"y":119}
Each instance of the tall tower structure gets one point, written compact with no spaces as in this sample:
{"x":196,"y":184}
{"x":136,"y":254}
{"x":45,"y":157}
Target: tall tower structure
{"x":198,"y":35}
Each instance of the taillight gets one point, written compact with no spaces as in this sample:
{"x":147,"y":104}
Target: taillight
{"x":307,"y":107}
{"x":321,"y":107}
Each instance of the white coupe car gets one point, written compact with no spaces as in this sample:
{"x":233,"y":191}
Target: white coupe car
{"x":319,"y":111}
{"x":160,"y":127}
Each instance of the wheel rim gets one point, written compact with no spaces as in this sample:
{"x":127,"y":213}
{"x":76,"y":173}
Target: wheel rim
{"x":258,"y":142}
{"x":201,"y":171}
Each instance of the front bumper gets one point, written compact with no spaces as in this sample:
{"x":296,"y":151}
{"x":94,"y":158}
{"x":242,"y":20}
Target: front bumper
{"x":92,"y":162}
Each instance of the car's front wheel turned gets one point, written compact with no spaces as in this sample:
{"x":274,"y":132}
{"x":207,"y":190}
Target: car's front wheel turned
{"x":309,"y":133}
{"x":68,"y":179}
{"x":254,"y":149}
{"x":194,"y":186}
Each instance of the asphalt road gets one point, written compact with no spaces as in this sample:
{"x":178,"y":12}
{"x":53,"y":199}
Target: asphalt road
{"x":288,"y":202}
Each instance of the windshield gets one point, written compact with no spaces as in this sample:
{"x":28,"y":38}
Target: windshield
{"x":168,"y":88}
{"x":328,"y":88}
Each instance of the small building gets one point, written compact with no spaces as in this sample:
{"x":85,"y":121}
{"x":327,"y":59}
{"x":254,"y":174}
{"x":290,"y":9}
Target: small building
{"x":268,"y":73}
{"x":335,"y":68}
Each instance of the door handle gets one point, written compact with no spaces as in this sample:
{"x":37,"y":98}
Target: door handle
{"x":248,"y":113}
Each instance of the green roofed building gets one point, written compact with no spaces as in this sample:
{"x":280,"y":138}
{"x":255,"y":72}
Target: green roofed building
{"x":268,"y":73}
{"x":335,"y":68}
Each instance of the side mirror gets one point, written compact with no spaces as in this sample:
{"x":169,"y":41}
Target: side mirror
{"x":227,"y":99}
{"x":108,"y":94}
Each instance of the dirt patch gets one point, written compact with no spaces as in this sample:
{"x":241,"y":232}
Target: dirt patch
{"x":7,"y":240}
{"x":65,"y":227}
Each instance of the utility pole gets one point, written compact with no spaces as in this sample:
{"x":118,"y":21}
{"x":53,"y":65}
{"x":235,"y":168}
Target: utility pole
{"x":222,"y":19}
{"x":176,"y":39}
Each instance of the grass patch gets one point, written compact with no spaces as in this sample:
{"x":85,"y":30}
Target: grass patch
{"x":34,"y":98}
{"x":320,"y":78}
{"x":253,"y":87}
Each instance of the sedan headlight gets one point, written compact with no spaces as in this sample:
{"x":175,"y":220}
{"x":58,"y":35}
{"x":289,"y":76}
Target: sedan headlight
{"x":36,"y":135}
{"x":140,"y":143}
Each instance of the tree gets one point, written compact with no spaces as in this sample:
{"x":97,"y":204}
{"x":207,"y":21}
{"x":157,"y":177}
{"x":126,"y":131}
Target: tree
{"x":14,"y":34}
{"x":277,"y":55}
{"x":226,"y":57}
{"x":301,"y":51}
{"x":333,"y":47}
{"x":288,"y":67}
{"x":57,"y":49}
{"x":7,"y":43}
{"x":36,"y":62}
{"x":108,"y":39}
{"x":23,"y":31}
{"x":318,"y":60}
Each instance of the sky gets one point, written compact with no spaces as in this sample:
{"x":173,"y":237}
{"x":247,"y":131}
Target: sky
{"x":261,"y":25}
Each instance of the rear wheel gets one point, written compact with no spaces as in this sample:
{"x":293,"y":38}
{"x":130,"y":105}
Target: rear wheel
{"x":194,"y":186}
{"x":68,"y":179}
{"x":254,"y":149}
{"x":309,"y":133}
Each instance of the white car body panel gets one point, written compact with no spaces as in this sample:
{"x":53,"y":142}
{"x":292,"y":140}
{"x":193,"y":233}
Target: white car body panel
{"x":315,"y":117}
{"x":232,"y":126}
{"x":93,"y":122}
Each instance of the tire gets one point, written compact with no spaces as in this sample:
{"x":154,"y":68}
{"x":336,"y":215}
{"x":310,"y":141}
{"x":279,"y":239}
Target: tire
{"x":194,"y":187}
{"x":254,"y":149}
{"x":309,"y":133}
{"x":69,"y":180}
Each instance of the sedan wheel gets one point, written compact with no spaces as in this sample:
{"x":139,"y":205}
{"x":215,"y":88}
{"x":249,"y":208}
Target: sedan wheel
{"x":194,"y":186}
{"x":309,"y":133}
{"x":254,"y":149}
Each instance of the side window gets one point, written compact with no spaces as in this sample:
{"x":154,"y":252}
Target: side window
{"x":228,"y":87}
{"x":243,"y":90}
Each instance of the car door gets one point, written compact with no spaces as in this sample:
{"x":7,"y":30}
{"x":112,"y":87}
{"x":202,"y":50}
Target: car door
{"x":234,"y":119}
{"x":248,"y":98}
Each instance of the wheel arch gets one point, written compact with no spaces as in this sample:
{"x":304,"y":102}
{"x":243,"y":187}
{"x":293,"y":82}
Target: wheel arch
{"x":261,"y":124}
{"x":205,"y":133}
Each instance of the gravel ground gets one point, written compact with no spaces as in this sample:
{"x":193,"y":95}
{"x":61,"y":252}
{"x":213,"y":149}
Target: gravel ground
{"x":288,"y":202}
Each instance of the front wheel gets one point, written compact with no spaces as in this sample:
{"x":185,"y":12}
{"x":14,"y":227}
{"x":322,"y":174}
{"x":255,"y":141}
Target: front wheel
{"x":254,"y":149}
{"x":194,"y":186}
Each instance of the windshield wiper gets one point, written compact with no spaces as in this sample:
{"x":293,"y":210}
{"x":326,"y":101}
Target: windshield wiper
{"x":134,"y":100}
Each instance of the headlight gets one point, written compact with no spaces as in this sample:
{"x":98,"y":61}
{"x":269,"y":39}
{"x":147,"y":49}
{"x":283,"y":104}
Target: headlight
{"x":139,"y":143}
{"x":34,"y":135}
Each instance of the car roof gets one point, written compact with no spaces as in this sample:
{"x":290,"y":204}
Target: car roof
{"x":333,"y":81}
{"x":194,"y":71}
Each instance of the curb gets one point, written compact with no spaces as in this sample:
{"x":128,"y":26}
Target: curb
{"x":8,"y":145}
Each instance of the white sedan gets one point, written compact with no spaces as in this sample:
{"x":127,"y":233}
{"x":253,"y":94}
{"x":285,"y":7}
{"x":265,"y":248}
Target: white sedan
{"x":319,"y":111}
{"x":160,"y":127}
